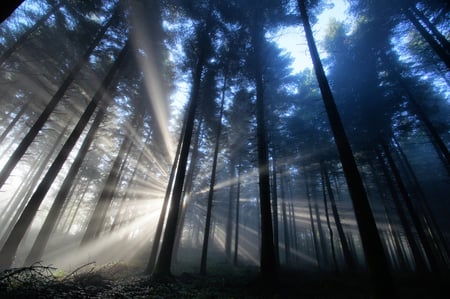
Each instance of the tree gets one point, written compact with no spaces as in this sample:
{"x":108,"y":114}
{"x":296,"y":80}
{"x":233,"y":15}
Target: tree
{"x":373,"y":249}
{"x":50,"y":107}
{"x":9,"y":249}
{"x":163,"y":264}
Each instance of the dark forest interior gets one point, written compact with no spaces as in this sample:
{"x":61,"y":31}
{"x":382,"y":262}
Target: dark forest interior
{"x":225,"y":149}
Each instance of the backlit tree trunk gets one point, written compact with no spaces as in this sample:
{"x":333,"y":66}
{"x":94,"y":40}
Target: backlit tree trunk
{"x":371,"y":241}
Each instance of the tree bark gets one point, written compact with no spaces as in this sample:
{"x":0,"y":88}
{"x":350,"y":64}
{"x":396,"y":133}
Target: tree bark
{"x":8,"y":251}
{"x":350,"y":263}
{"x":211,"y":186}
{"x":164,"y":261}
{"x":44,"y":234}
{"x":383,"y":286}
{"x":27,"y":34}
{"x":43,"y":117}
{"x":97,"y":220}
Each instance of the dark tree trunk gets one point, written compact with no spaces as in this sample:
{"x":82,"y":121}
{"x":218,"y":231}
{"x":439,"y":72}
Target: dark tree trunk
{"x":334,"y":267}
{"x":439,"y":144}
{"x":350,"y":263}
{"x":97,"y":220}
{"x":8,"y":7}
{"x":418,"y":258}
{"x":229,"y":227}
{"x":434,"y":264}
{"x":317,"y":248}
{"x":211,"y":187}
{"x":37,"y":126}
{"x":445,"y":44}
{"x":236,"y":227}
{"x":27,"y":190}
{"x":27,"y":34}
{"x":275,"y":210}
{"x":323,"y":244}
{"x":164,"y":261}
{"x":437,"y":48}
{"x":268,"y":266}
{"x":162,"y":216}
{"x":371,"y":241}
{"x":14,"y":121}
{"x":187,"y":192}
{"x":44,"y":234}
{"x":9,"y":249}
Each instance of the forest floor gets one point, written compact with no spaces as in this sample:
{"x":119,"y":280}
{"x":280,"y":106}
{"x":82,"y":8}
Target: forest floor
{"x":120,"y":280}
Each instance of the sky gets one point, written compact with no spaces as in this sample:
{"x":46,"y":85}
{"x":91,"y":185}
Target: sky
{"x":291,"y":39}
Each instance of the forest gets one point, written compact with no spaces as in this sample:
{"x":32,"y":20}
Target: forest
{"x":224,"y":149}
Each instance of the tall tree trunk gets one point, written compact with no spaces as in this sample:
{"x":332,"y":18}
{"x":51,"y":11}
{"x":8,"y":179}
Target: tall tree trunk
{"x":334,"y":267}
{"x":43,"y":117}
{"x":44,"y":234}
{"x":437,"y":48}
{"x":383,"y":286}
{"x":229,"y":226}
{"x":434,"y":264}
{"x":8,"y":251}
{"x":236,"y":227}
{"x":418,"y":258}
{"x":211,"y":186}
{"x":27,"y":34}
{"x":164,"y":261}
{"x":317,"y":248}
{"x":27,"y":190}
{"x":439,"y":144}
{"x":162,"y":216}
{"x":97,"y":220}
{"x":187,"y":192}
{"x":128,"y":193}
{"x":445,"y":44}
{"x":14,"y":121}
{"x":350,"y":263}
{"x":268,"y":266}
{"x":8,"y":7}
{"x":275,"y":209}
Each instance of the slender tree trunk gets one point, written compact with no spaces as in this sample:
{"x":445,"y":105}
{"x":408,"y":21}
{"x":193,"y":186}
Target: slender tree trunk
{"x":14,"y":121}
{"x":445,"y":44}
{"x":27,"y":34}
{"x":434,"y":265}
{"x":27,"y":191}
{"x":164,"y":261}
{"x":383,"y":286}
{"x":211,"y":186}
{"x":350,"y":263}
{"x":317,"y":248}
{"x":418,"y":258}
{"x":229,"y":227}
{"x":8,"y":251}
{"x":437,"y":48}
{"x":276,"y":241}
{"x":162,"y":216}
{"x":187,"y":192}
{"x":43,"y":117}
{"x":236,"y":227}
{"x":327,"y":217}
{"x":430,"y":223}
{"x":97,"y":220}
{"x":440,"y":146}
{"x":8,"y":7}
{"x":44,"y":234}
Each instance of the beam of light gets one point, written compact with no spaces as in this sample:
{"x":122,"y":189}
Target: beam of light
{"x":152,"y":80}
{"x":121,"y":244}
